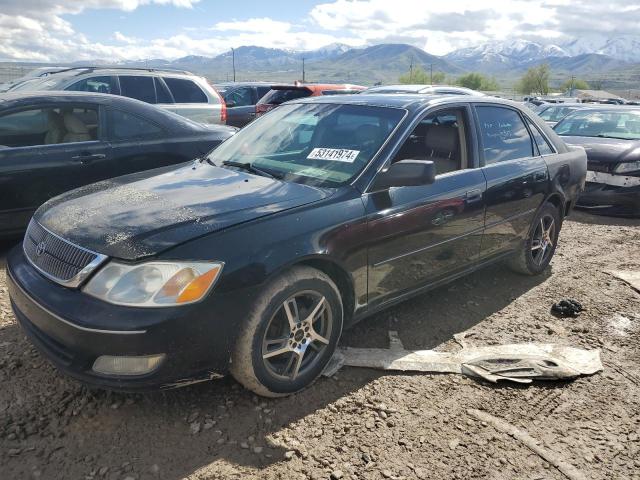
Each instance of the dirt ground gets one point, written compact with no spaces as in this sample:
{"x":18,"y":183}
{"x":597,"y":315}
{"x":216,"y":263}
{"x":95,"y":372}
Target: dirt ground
{"x":366,"y":424}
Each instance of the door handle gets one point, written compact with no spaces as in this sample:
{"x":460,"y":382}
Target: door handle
{"x":85,"y":158}
{"x":474,"y":195}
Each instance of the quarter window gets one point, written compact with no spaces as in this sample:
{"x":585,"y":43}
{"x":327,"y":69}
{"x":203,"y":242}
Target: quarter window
{"x":140,"y":88}
{"x":543,"y":146}
{"x":504,"y":135}
{"x":125,"y":126}
{"x":185,"y":91}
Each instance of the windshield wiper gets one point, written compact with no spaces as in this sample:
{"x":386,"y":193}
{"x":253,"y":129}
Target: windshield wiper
{"x":247,"y":167}
{"x":601,"y":135}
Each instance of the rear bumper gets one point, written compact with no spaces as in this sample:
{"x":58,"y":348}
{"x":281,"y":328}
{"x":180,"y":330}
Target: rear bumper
{"x":72,"y":329}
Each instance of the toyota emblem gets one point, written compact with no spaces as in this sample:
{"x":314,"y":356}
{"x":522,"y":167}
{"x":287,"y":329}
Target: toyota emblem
{"x":41,"y":248}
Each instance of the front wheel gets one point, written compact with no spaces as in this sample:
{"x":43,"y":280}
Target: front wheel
{"x":541,"y":242}
{"x":290,"y":334}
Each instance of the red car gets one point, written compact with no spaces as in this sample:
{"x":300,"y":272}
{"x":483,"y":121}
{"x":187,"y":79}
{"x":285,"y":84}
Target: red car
{"x":283,"y":93}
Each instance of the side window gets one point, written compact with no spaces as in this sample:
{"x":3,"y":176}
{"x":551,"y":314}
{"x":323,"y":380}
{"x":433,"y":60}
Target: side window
{"x":49,"y":126}
{"x":504,"y":135}
{"x":125,"y":126}
{"x":140,"y":88}
{"x":543,"y":146}
{"x":241,"y":97}
{"x":185,"y":91}
{"x":95,"y":85}
{"x":441,"y":138}
{"x":162,"y":93}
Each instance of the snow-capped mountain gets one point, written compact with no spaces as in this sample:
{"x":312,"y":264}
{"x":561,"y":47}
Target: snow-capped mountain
{"x":504,"y":55}
{"x":625,"y":48}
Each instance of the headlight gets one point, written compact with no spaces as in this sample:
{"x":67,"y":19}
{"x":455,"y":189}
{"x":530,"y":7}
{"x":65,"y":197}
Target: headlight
{"x":627,"y":167}
{"x":154,"y":284}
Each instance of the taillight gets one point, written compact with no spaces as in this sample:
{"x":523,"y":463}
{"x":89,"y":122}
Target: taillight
{"x":223,"y":107}
{"x":223,"y":113}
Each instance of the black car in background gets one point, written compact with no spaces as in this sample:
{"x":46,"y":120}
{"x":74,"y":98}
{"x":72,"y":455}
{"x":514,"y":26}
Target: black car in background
{"x":611,"y":138}
{"x":312,"y":217}
{"x":53,"y":142}
{"x":241,"y":99}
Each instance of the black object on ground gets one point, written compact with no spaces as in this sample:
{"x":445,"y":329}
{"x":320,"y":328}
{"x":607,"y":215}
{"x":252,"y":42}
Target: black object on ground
{"x":567,"y":308}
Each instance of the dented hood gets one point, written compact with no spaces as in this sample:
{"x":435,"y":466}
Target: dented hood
{"x":144,"y":214}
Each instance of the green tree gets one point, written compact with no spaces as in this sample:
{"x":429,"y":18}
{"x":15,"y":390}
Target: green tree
{"x":535,"y":81}
{"x":418,"y":76}
{"x":575,"y":83}
{"x":477,"y":81}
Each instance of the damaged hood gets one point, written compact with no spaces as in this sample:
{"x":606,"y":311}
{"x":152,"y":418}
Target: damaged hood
{"x":607,"y":150}
{"x":146,"y":213}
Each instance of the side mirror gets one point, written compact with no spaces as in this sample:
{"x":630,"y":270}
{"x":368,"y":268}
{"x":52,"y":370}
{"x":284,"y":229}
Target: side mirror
{"x":406,"y":173}
{"x":230,"y":104}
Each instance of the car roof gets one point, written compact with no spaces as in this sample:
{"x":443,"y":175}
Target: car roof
{"x":317,"y":86}
{"x":241,"y":84}
{"x":409,"y":101}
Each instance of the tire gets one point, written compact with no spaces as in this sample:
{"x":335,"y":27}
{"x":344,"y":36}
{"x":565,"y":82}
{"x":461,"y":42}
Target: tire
{"x":278,"y":328}
{"x":534,"y":257}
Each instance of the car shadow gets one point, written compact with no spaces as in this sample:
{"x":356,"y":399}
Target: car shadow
{"x":211,"y":428}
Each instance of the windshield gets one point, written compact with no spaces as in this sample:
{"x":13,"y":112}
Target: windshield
{"x":318,"y":144}
{"x":555,"y":114}
{"x":607,"y":124}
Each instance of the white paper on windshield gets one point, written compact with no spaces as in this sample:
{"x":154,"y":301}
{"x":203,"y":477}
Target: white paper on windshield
{"x":335,"y":154}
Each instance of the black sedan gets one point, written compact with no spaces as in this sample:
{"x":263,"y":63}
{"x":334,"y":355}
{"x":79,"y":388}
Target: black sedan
{"x":53,"y":142}
{"x":309,"y":219}
{"x":611,"y":138}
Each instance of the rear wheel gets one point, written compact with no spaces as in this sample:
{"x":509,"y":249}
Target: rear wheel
{"x":290,"y":335}
{"x":540,"y":245}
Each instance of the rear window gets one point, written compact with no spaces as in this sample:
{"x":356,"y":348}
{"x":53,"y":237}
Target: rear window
{"x":281,"y":95}
{"x":185,"y":91}
{"x":94,"y":85}
{"x":140,"y":88}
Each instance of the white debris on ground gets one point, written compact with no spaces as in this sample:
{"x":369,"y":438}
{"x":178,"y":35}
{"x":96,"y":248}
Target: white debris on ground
{"x":515,"y":362}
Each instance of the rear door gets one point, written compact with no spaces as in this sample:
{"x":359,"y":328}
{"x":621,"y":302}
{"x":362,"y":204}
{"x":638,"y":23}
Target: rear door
{"x":517,"y":177}
{"x":241,"y":103}
{"x":140,"y":144}
{"x":419,"y":235}
{"x":47,"y":150}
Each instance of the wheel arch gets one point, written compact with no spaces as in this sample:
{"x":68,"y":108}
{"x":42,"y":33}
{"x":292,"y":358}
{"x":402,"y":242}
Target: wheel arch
{"x":336,"y":272}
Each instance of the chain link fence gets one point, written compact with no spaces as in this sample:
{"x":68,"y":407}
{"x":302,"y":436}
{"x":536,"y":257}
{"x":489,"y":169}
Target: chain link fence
{"x":11,"y":72}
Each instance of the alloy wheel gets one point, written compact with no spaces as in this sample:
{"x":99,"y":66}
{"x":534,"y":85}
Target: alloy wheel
{"x":297,"y":335}
{"x":542,"y":239}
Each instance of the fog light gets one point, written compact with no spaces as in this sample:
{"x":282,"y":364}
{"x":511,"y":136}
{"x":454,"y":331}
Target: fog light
{"x":108,"y":365}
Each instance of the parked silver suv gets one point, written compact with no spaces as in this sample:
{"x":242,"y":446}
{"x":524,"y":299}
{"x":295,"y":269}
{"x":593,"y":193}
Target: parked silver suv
{"x":178,"y":91}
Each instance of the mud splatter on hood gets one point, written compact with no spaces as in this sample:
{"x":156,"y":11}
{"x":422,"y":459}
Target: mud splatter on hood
{"x":146,"y":213}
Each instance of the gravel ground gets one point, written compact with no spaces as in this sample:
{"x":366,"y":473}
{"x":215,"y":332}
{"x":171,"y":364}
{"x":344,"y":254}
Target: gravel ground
{"x":364,"y":423}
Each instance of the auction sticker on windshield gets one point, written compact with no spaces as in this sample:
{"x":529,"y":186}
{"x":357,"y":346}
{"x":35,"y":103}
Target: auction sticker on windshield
{"x":336,"y":154}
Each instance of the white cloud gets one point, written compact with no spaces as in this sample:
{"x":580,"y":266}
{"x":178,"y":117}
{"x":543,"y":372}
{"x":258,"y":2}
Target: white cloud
{"x":42,"y":30}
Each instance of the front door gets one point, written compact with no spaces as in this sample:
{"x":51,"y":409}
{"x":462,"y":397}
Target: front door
{"x":517,"y":178}
{"x":241,"y":106}
{"x":419,"y":235}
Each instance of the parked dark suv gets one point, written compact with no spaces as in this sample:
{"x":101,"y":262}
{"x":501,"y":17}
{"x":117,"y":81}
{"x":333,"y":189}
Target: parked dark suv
{"x":310,"y":218}
{"x":241,"y":99}
{"x":54,"y":142}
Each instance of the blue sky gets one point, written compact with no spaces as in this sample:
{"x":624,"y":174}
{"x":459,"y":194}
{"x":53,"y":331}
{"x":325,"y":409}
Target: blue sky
{"x":70,"y":30}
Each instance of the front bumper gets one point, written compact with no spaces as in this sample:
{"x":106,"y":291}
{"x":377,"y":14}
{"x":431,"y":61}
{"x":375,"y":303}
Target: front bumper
{"x":611,"y":194}
{"x":72,"y":329}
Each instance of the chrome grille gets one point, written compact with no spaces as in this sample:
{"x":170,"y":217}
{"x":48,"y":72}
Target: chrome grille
{"x":58,"y":259}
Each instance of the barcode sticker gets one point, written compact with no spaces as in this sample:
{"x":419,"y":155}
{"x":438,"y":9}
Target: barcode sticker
{"x":335,"y":154}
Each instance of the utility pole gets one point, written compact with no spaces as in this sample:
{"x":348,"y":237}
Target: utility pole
{"x":303,"y":77}
{"x":233,"y":62}
{"x":431,"y":73}
{"x":573,"y":79}
{"x":411,"y":71}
